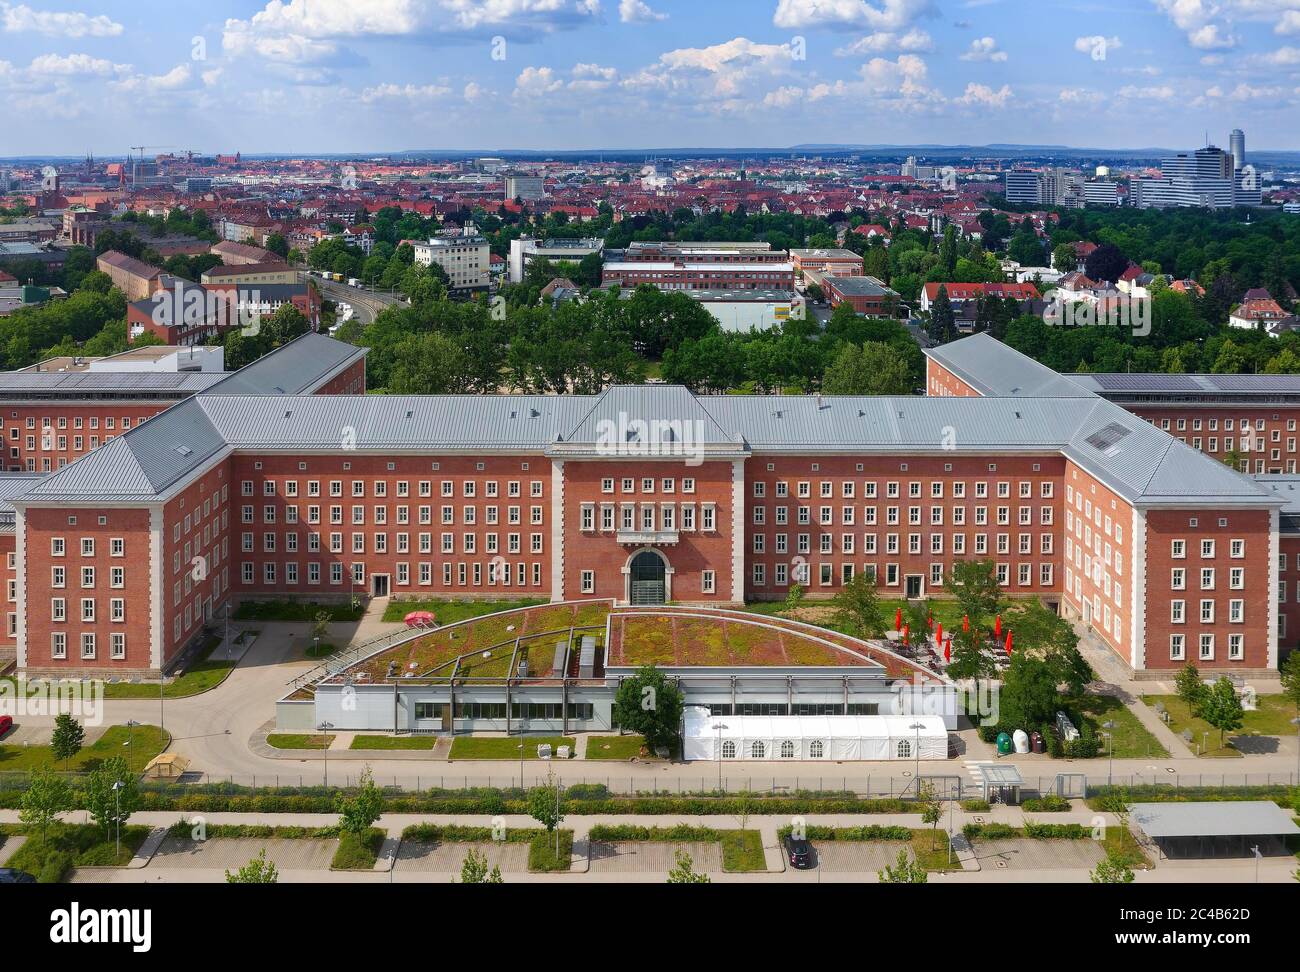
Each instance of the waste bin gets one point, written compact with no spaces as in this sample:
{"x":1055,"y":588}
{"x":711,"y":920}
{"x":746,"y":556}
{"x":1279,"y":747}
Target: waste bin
{"x":1021,"y":740}
{"x":1004,"y":744}
{"x":1036,"y":742}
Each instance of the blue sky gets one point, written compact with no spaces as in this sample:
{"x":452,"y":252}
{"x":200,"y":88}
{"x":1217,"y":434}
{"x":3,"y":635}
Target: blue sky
{"x":386,"y":75}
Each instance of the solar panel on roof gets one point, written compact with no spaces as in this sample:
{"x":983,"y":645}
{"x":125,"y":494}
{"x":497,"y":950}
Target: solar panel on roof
{"x":1147,"y":382}
{"x":1107,"y":437}
{"x":1273,"y":383}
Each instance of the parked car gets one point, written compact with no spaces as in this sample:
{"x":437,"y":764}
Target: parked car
{"x":9,"y":876}
{"x":798,"y":852}
{"x":6,"y":723}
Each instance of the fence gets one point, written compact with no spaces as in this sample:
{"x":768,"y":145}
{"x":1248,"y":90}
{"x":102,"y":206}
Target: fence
{"x":696,"y":784}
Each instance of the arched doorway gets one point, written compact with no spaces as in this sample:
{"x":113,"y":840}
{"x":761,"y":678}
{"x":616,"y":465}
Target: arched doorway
{"x":647,"y":583}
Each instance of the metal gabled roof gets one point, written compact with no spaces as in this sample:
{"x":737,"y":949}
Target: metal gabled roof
{"x":999,"y":371}
{"x":292,"y":369}
{"x":393,"y":422}
{"x":617,"y":409}
{"x":812,"y":423}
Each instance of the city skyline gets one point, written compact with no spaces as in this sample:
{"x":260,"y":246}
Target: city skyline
{"x":323,"y":76}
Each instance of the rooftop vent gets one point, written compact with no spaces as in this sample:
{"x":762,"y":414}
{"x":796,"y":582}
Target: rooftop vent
{"x":185,"y":450}
{"x":1108,"y":438}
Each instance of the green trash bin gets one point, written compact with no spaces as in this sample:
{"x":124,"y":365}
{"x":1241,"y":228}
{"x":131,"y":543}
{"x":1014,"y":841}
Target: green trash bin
{"x":1004,"y":744}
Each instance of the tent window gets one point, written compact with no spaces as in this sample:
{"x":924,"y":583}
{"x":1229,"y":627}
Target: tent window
{"x":787,"y":749}
{"x":815,"y":749}
{"x":757,"y":751}
{"x":728,"y":750}
{"x":904,"y":749}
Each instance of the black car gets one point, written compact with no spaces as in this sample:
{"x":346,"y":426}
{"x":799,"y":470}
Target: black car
{"x":9,"y":876}
{"x":798,"y":852}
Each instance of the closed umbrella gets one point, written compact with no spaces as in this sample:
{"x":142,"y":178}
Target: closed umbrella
{"x":1008,"y":642}
{"x":938,"y":633}
{"x":965,"y":622}
{"x":947,"y":649}
{"x":997,"y":626}
{"x":898,"y":619}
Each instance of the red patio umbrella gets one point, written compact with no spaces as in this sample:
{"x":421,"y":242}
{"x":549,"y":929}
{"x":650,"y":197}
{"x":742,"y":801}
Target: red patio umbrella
{"x":965,"y":622}
{"x":997,"y":627}
{"x":947,"y":649}
{"x":898,"y":619}
{"x":938,"y":632}
{"x":929,"y":620}
{"x":1008,"y":642}
{"x":906,"y":631}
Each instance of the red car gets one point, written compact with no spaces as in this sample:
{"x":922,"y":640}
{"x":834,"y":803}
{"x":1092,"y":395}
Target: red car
{"x":6,"y":723}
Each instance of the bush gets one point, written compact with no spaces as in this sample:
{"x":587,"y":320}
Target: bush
{"x":988,"y":831}
{"x":1048,"y":804}
{"x":541,"y":852}
{"x":1070,"y":831}
{"x":867,"y":832}
{"x":358,"y":853}
{"x":679,"y":834}
{"x":975,"y":806}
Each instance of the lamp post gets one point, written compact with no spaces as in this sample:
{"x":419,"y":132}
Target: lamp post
{"x":1110,"y":749}
{"x":324,"y":729}
{"x":719,"y":727}
{"x":130,"y":730}
{"x":117,"y":800}
{"x":918,"y":726}
{"x":1258,"y":855}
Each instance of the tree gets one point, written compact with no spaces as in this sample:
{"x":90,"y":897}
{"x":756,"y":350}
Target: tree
{"x":873,"y":368}
{"x":1221,"y":708}
{"x":112,"y":793}
{"x":857,"y":605}
{"x":1290,"y":673}
{"x":67,"y":738}
{"x":1029,"y":695}
{"x":1113,"y":870}
{"x":969,"y":659}
{"x":257,"y":871}
{"x":793,"y":598}
{"x":904,"y":871}
{"x":649,"y":704}
{"x":358,"y":813}
{"x":683,"y":871}
{"x":1190,"y":688}
{"x":474,"y":870}
{"x":1105,"y":263}
{"x":941,"y":317}
{"x":1064,"y":258}
{"x":46,"y":796}
{"x":931,"y":809}
{"x":545,"y":805}
{"x":320,"y":625}
{"x":974,"y":584}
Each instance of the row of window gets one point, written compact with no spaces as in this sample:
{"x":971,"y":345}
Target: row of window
{"x":915,"y":515}
{"x":628,"y":484}
{"x":648,"y":516}
{"x":915,"y":489}
{"x":915,"y":545}
{"x":784,"y":574}
{"x":465,"y":575}
{"x":379,"y":543}
{"x":89,"y":645}
{"x":1206,"y":647}
{"x":379,"y":487}
{"x":379,"y":514}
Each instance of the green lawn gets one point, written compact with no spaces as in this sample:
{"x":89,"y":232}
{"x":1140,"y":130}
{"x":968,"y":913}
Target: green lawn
{"x":393,"y":742}
{"x":321,"y":650}
{"x":66,"y":846}
{"x":358,"y":854}
{"x":1272,"y":718}
{"x":286,"y":740}
{"x":541,"y":852}
{"x":503,"y":747}
{"x":450,"y":612}
{"x":614,"y":747}
{"x":1131,"y":739}
{"x":301,"y":611}
{"x":146,"y":743}
{"x":203,"y":675}
{"x":742,"y":850}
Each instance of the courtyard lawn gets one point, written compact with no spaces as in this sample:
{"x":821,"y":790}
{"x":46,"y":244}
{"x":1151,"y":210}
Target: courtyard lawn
{"x":146,"y":742}
{"x":393,"y":742}
{"x":358,"y":853}
{"x":287,"y":740}
{"x":1272,"y":718}
{"x":1131,"y":739}
{"x":67,"y":846}
{"x":541,"y":852}
{"x":742,"y":850}
{"x":450,"y":612}
{"x":931,"y":850}
{"x":504,"y":747}
{"x":614,"y":747}
{"x":300,"y":611}
{"x":205,"y":673}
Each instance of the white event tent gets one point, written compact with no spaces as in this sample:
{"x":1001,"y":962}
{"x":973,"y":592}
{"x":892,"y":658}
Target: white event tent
{"x":812,"y":737}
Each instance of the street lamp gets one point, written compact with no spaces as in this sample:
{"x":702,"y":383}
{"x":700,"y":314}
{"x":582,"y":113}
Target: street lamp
{"x":130,"y":727}
{"x":1110,"y":748}
{"x":324,"y":729}
{"x":117,"y":799}
{"x":918,"y":726}
{"x":720,"y":726}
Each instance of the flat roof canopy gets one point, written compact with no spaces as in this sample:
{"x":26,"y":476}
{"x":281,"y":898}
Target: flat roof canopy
{"x":999,"y":774}
{"x":1260,"y":818}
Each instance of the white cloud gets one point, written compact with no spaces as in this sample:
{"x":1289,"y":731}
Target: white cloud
{"x":1097,"y":43}
{"x":915,"y":41}
{"x":154,"y":84}
{"x":404,"y":92}
{"x":1151,"y":93}
{"x":1075,"y":95}
{"x":1289,"y":23}
{"x":984,"y":49}
{"x":537,"y":83}
{"x":982,"y":94}
{"x":889,"y":15}
{"x":1212,"y":60}
{"x":71,"y":65}
{"x":786,"y":97}
{"x":1196,"y":19}
{"x":638,"y":12}
{"x":1283,"y":57}
{"x":22,"y":18}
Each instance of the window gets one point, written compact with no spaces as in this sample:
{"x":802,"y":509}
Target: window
{"x":904,"y":749}
{"x":729,"y":750}
{"x":816,"y":749}
{"x":757,"y":750}
{"x":787,"y":749}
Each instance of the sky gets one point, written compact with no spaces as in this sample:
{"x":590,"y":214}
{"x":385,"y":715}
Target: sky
{"x":376,"y":76}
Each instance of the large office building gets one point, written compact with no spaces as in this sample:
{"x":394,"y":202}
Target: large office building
{"x":525,"y":251}
{"x":700,"y":266}
{"x":1208,"y":178}
{"x":527,"y":188}
{"x":467,"y":260}
{"x":648,"y":494}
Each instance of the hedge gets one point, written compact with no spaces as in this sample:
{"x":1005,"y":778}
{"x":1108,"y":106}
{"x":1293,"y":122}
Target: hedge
{"x":863,"y":833}
{"x":1052,"y":803}
{"x":458,"y":834}
{"x":679,"y":834}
